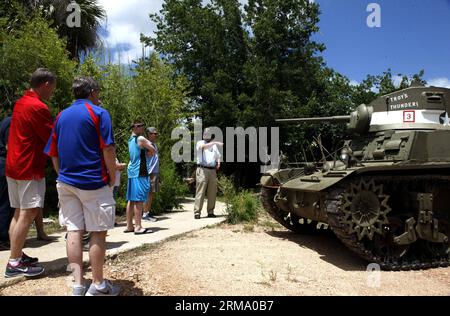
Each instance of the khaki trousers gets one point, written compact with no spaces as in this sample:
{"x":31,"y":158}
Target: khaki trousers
{"x":206,"y":183}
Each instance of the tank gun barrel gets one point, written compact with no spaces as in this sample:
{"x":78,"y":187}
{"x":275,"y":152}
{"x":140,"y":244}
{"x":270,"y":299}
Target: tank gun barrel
{"x":331,"y":119}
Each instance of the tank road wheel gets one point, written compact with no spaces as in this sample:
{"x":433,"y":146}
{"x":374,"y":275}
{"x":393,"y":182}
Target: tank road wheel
{"x":384,"y":245}
{"x":357,"y":213}
{"x":365,"y":208}
{"x":289,"y":220}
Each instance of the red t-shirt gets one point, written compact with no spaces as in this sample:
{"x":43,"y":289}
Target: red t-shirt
{"x":31,"y":125}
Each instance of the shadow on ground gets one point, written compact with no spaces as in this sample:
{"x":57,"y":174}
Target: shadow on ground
{"x":34,"y":243}
{"x":328,"y":246}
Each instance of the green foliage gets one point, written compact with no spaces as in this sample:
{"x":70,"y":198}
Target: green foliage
{"x":241,"y":206}
{"x":159,"y":99}
{"x":244,"y":208}
{"x":78,"y":39}
{"x":226,"y":187}
{"x":24,"y":50}
{"x":207,"y":44}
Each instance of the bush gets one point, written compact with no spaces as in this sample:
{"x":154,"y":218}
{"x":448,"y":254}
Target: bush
{"x":244,"y":208}
{"x":240,"y":207}
{"x":226,"y":187}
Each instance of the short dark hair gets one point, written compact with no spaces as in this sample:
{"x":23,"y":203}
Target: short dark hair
{"x":41,"y":76}
{"x":83,"y":86}
{"x":136,"y":122}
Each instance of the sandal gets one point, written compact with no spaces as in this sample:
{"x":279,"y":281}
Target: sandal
{"x":128,"y":231}
{"x":145,"y":231}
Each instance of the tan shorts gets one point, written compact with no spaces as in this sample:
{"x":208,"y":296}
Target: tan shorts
{"x":92,"y":211}
{"x":26,"y":194}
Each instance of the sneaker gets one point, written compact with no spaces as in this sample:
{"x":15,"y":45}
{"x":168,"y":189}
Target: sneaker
{"x":149,"y":218}
{"x":212,"y":216}
{"x":22,"y":269}
{"x":109,"y":290}
{"x":29,"y":260}
{"x":197,"y":216}
{"x":78,"y":290}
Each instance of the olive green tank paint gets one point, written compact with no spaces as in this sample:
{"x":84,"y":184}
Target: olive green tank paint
{"x":389,"y":188}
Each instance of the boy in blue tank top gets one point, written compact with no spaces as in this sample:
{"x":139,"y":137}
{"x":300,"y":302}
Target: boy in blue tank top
{"x":138,"y":182}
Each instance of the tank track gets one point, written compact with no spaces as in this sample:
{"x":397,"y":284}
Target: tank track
{"x":288,"y":220}
{"x":415,"y":258}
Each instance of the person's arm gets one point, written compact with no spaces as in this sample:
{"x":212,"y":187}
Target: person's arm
{"x":146,"y":144}
{"x":218,"y":157}
{"x":55,"y":162}
{"x":209,"y":145}
{"x":109,"y":155}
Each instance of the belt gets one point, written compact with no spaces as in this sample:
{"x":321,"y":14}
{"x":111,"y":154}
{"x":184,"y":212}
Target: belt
{"x":205,"y":167}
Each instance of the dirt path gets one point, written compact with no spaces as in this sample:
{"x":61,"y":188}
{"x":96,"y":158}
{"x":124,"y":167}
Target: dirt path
{"x":249,"y":260}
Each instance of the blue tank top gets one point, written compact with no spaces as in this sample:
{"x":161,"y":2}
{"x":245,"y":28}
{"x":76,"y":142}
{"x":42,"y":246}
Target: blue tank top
{"x":137,"y":167}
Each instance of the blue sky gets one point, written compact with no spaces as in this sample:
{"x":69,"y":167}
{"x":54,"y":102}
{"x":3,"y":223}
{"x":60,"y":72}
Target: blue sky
{"x":414,"y":35}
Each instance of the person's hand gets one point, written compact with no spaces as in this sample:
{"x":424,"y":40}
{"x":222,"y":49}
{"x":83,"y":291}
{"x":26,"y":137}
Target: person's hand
{"x":218,"y":166}
{"x":121,"y":166}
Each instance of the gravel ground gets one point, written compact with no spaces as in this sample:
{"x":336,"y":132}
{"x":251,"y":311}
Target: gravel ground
{"x":249,"y":260}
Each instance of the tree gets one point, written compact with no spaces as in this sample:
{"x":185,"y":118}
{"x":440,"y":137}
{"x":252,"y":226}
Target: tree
{"x":32,"y":46}
{"x":207,"y":44}
{"x":79,"y":39}
{"x":284,"y":62}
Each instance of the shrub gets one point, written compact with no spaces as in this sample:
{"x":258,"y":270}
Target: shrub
{"x":244,"y":208}
{"x":226,"y":187}
{"x":240,"y":206}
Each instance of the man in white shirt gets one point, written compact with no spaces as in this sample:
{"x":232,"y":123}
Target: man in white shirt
{"x":208,"y":162}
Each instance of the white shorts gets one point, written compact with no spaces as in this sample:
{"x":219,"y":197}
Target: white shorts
{"x":89,"y":210}
{"x":26,"y":194}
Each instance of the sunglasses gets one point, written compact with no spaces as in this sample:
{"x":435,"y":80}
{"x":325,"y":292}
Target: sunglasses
{"x":139,"y":125}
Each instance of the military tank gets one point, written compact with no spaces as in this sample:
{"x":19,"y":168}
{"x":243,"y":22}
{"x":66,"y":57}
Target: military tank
{"x":386,"y":192}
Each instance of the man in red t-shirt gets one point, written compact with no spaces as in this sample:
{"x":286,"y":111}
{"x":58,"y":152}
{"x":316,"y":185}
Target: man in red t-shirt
{"x":31,"y":125}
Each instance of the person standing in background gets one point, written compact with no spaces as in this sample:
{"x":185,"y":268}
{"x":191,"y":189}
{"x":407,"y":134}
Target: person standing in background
{"x":153,"y":171}
{"x":138,"y":180}
{"x":208,"y":162}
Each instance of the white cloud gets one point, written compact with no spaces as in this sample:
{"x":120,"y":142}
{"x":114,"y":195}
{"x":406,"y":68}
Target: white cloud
{"x":126,"y":20}
{"x":354,"y":83}
{"x":439,"y":82}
